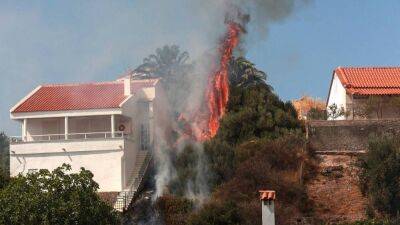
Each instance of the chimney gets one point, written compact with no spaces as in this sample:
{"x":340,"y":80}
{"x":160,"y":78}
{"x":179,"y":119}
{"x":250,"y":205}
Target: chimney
{"x":268,"y":207}
{"x":127,"y":85}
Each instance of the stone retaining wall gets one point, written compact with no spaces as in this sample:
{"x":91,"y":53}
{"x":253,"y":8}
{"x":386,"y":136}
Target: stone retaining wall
{"x":348,"y":135}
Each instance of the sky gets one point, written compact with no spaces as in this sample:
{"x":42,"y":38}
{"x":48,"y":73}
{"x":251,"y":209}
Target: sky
{"x":44,"y":42}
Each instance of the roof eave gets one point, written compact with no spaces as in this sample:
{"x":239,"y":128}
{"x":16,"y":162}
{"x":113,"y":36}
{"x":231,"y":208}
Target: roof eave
{"x":25,"y":98}
{"x":66,"y":113}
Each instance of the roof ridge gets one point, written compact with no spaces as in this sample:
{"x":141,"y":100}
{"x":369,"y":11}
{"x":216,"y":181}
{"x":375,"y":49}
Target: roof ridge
{"x":80,"y":84}
{"x":368,"y":67}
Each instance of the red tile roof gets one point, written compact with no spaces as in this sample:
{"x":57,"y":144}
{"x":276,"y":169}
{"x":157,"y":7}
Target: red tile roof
{"x":370,"y":80}
{"x":64,"y":97}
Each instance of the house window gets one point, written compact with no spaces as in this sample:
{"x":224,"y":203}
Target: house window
{"x":144,"y":136}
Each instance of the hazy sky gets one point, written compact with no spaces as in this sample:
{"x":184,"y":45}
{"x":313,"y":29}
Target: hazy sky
{"x":78,"y":41}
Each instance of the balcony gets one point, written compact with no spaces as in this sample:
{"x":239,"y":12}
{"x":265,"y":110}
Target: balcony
{"x":63,"y":129}
{"x":66,"y":137}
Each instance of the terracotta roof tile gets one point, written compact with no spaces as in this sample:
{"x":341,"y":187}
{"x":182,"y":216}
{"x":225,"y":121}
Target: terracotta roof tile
{"x":65,"y":97}
{"x":370,"y":80}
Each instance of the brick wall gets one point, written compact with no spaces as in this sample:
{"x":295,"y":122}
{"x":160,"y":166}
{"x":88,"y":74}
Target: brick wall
{"x":348,"y":135}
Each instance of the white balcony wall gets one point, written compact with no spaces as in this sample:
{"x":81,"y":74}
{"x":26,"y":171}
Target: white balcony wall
{"x":104,"y":158}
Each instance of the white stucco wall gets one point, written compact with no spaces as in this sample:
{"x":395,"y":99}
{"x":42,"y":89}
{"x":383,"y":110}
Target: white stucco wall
{"x":337,"y":95}
{"x":129,"y":161}
{"x":102,"y":157}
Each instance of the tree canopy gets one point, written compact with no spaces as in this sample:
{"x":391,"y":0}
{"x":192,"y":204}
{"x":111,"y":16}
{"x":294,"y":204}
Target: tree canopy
{"x":4,"y":160}
{"x":4,"y":155}
{"x":171,"y":65}
{"x":259,"y":132}
{"x":57,"y":197}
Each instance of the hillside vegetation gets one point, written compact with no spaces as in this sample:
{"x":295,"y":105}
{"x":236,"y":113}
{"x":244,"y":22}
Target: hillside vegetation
{"x":259,"y":145}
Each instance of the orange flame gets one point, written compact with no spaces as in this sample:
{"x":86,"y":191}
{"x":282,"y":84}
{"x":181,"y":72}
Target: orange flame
{"x":204,"y":124}
{"x":218,"y":87}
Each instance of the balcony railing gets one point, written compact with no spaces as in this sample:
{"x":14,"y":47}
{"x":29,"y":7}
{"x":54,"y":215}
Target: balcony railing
{"x":71,"y":136}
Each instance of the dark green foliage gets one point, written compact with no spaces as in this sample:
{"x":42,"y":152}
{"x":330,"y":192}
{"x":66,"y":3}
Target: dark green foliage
{"x":258,"y":146}
{"x":316,"y":114}
{"x":4,"y":155}
{"x":221,"y":160}
{"x":334,"y":111}
{"x":243,"y":73}
{"x":57,"y":197}
{"x":191,"y":170}
{"x":380,"y":174}
{"x":174,"y":210}
{"x":256,"y":112}
{"x":214,"y":213}
{"x":4,"y":179}
{"x":172,"y":66}
{"x":273,"y":164}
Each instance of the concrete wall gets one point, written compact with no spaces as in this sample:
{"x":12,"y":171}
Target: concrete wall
{"x":102,"y":157}
{"x":348,"y":135}
{"x":129,"y":161}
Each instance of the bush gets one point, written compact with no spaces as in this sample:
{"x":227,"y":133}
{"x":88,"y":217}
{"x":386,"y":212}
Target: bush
{"x":4,"y":179}
{"x":217,"y":214}
{"x":4,"y":155}
{"x":317,"y":114}
{"x":273,"y":164}
{"x":380,"y":174}
{"x":57,"y":197}
{"x":395,"y":221}
{"x":174,"y":210}
{"x":256,"y":112}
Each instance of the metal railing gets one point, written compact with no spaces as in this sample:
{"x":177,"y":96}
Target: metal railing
{"x":125,"y":198}
{"x":70,"y":136}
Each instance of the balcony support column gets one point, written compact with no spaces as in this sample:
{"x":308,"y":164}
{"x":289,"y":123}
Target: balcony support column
{"x":66,"y":128}
{"x":113,"y":126}
{"x":24,"y":129}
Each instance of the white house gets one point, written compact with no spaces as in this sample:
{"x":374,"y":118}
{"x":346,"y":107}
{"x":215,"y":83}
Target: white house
{"x":107,"y":128}
{"x":366,"y":92}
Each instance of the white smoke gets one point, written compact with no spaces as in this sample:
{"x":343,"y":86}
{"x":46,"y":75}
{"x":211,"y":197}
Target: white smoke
{"x":208,"y":18}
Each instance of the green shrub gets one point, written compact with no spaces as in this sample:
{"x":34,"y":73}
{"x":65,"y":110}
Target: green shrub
{"x":174,"y":210}
{"x":380,"y":174}
{"x":58,"y":197}
{"x":191,"y":170}
{"x":4,"y":179}
{"x":4,"y":155}
{"x":317,"y":114}
{"x":273,"y":164}
{"x":214,"y":213}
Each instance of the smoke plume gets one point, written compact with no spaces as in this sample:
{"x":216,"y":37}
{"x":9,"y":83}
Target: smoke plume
{"x":253,"y":17}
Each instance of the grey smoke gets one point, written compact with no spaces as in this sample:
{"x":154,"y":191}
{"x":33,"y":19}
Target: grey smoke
{"x":255,"y":17}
